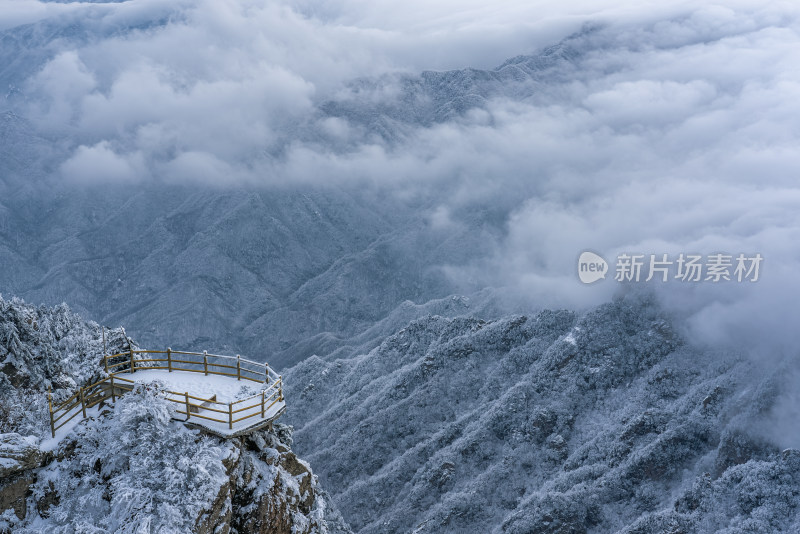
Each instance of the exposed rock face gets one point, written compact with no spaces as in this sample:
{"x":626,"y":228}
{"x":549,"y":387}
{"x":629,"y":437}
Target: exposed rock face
{"x":270,"y":491}
{"x":13,"y":493}
{"x":18,"y":453}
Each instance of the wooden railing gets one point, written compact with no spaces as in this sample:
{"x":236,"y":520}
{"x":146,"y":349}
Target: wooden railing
{"x":114,"y":385}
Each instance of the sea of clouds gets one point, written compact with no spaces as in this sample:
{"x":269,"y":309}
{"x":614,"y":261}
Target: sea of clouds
{"x":674,"y":130}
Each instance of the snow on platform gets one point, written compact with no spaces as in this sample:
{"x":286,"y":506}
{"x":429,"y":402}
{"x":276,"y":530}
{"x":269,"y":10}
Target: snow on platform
{"x":226,"y":389}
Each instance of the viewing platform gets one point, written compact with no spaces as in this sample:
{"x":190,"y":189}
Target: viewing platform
{"x":225,"y":395}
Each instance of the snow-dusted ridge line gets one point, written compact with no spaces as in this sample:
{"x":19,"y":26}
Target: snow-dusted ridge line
{"x":140,"y":368}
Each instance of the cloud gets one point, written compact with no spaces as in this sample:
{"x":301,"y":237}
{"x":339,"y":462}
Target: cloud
{"x":65,"y":80}
{"x":99,"y":164}
{"x":645,"y":152}
{"x":672,"y":129}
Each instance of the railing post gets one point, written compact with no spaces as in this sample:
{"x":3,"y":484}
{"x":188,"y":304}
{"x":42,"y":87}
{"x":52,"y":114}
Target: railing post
{"x":262,"y":404}
{"x":280,"y":387}
{"x":83,"y":404}
{"x":266,"y":373}
{"x":105,"y":350}
{"x":238,"y":367}
{"x":169,"y":359}
{"x":50,"y":406}
{"x":188,"y":411}
{"x":133,"y":369}
{"x":205,"y":362}
{"x":113,"y":395}
{"x":230,"y":416}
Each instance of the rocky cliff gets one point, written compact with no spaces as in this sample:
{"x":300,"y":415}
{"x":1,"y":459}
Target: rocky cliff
{"x":132,"y":468}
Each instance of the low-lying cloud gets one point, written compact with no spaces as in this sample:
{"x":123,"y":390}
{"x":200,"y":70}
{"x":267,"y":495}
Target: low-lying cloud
{"x":673,"y":128}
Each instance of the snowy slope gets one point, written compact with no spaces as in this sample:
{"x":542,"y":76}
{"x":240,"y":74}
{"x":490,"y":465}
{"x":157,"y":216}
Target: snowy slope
{"x":43,"y":348}
{"x":605,"y":422}
{"x":248,"y":272}
{"x":433,"y":97}
{"x":134,"y":469}
{"x":131,"y":467}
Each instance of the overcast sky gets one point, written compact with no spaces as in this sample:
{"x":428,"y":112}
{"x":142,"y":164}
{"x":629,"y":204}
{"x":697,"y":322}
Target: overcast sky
{"x":676,"y":130}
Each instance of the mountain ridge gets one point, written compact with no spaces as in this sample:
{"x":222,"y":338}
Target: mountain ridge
{"x":557,"y":422}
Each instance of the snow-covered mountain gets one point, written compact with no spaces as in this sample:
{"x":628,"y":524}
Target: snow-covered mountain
{"x":606,"y":421}
{"x":338,"y":200}
{"x":292,"y":182}
{"x":249,"y":271}
{"x":550,"y":423}
{"x":132,"y":468}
